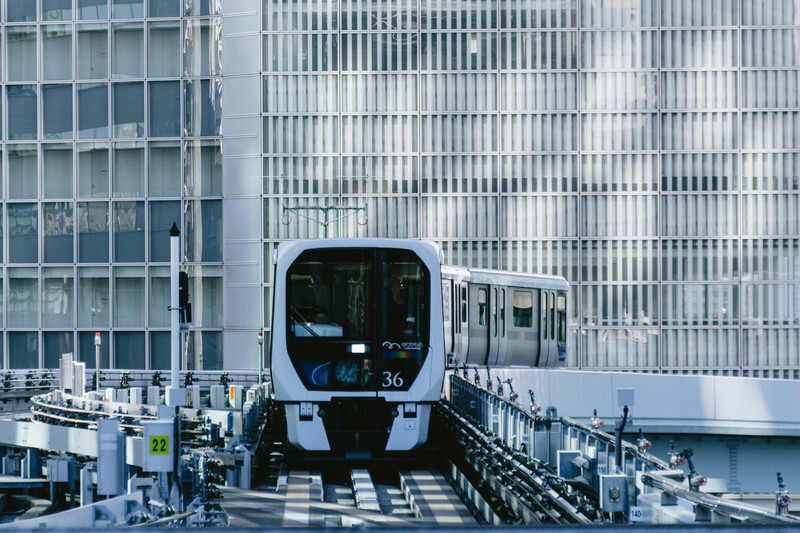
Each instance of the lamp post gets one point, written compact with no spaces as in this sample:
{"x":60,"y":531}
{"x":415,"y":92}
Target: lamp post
{"x":260,"y":356}
{"x":97,"y":342}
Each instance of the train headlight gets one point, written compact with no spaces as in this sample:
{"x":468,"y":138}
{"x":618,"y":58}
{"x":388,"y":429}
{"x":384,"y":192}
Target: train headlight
{"x":358,"y":348}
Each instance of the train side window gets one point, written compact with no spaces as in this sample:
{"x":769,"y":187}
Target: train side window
{"x":562,"y":318}
{"x":502,"y":312}
{"x":523,"y":309}
{"x":455,"y":293}
{"x":494,"y":312}
{"x":552,"y":315}
{"x":446,"y":300}
{"x":545,"y":295}
{"x":464,"y":304}
{"x":482,"y":307}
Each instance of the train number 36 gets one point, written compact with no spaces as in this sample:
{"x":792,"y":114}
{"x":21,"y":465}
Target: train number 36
{"x":390,"y":380}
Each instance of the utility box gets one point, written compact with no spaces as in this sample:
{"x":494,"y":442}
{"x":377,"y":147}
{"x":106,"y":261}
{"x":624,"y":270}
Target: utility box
{"x":110,"y":458}
{"x":58,"y":469}
{"x":122,"y":395}
{"x":136,"y":395}
{"x":217,"y":400}
{"x":153,"y":395}
{"x":236,"y":396}
{"x":194,"y":396}
{"x":565,"y":464}
{"x":613,"y":493}
{"x":65,"y":373}
{"x":159,"y":445}
{"x":79,"y":378}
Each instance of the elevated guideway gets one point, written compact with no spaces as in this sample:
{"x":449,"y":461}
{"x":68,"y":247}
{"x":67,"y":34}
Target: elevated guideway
{"x":742,"y":430}
{"x":666,"y":404}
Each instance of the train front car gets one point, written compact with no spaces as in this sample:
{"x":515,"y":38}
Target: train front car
{"x":357,"y":347}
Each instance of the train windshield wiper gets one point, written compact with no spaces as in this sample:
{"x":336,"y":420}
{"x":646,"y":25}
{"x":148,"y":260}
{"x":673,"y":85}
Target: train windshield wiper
{"x":302,"y":322}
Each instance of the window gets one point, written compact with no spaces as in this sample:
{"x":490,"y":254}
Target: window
{"x":58,"y":227}
{"x":464,"y":315}
{"x":92,"y":110}
{"x":523,"y":309}
{"x":128,"y":170}
{"x":562,"y":318}
{"x":57,"y":111}
{"x":163,"y":49}
{"x":22,"y":114}
{"x":482,"y":307}
{"x":23,"y":172}
{"x":58,"y":297}
{"x":21,"y":52}
{"x":92,"y":170}
{"x":23,"y":298}
{"x":92,"y":9}
{"x":93,"y":299}
{"x":545,"y":329}
{"x":494,"y":312}
{"x":129,"y":231}
{"x":203,"y":107}
{"x":92,"y":51}
{"x":57,"y":170}
{"x":23,"y":227}
{"x":128,"y":109}
{"x":129,"y":349}
{"x":203,"y":237}
{"x":164,"y":169}
{"x":502,"y":303}
{"x":129,"y":301}
{"x":57,"y":52}
{"x":93,"y":232}
{"x":165,"y":109}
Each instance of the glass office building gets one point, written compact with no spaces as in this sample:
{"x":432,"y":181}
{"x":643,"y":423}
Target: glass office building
{"x":647,"y":150}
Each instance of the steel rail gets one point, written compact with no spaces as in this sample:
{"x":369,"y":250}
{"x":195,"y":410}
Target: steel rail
{"x":524,"y":478}
{"x":719,"y":505}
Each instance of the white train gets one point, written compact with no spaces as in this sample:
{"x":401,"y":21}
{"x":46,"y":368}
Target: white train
{"x":362,"y":328}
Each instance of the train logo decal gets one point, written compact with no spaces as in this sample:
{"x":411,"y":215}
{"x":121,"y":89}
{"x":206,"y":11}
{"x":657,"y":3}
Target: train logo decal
{"x":390,"y":345}
{"x":402,"y":346}
{"x":403,"y":350}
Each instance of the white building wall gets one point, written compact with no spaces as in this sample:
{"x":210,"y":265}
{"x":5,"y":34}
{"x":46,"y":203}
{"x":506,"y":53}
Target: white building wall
{"x":241,"y":149}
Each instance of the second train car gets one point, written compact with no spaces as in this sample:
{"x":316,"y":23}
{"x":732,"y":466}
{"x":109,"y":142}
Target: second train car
{"x":504,"y":319}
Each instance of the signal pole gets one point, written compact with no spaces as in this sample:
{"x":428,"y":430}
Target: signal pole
{"x":175,"y":395}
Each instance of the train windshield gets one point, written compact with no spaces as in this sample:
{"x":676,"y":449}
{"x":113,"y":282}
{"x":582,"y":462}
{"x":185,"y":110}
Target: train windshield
{"x":358,"y":318}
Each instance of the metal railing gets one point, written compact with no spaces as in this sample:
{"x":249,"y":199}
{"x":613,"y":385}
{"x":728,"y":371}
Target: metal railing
{"x":588,"y":454}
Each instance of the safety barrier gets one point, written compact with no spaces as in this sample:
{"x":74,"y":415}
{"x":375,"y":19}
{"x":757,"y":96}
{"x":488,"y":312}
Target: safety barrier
{"x":641,"y":488}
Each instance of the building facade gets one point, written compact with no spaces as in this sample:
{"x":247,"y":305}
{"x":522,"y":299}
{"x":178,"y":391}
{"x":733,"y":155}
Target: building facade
{"x":647,"y":150}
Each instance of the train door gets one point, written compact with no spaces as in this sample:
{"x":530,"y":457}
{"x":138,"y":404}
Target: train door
{"x":463,"y":327}
{"x":544,"y":330}
{"x":478,"y":324}
{"x":561,"y":328}
{"x":448,"y":319}
{"x":549,"y":350}
{"x":502,"y":341}
{"x":523,"y":341}
{"x":494,"y":336}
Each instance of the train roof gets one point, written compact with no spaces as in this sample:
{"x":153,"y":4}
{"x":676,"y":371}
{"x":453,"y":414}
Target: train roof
{"x":426,"y":249}
{"x":521,"y":279}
